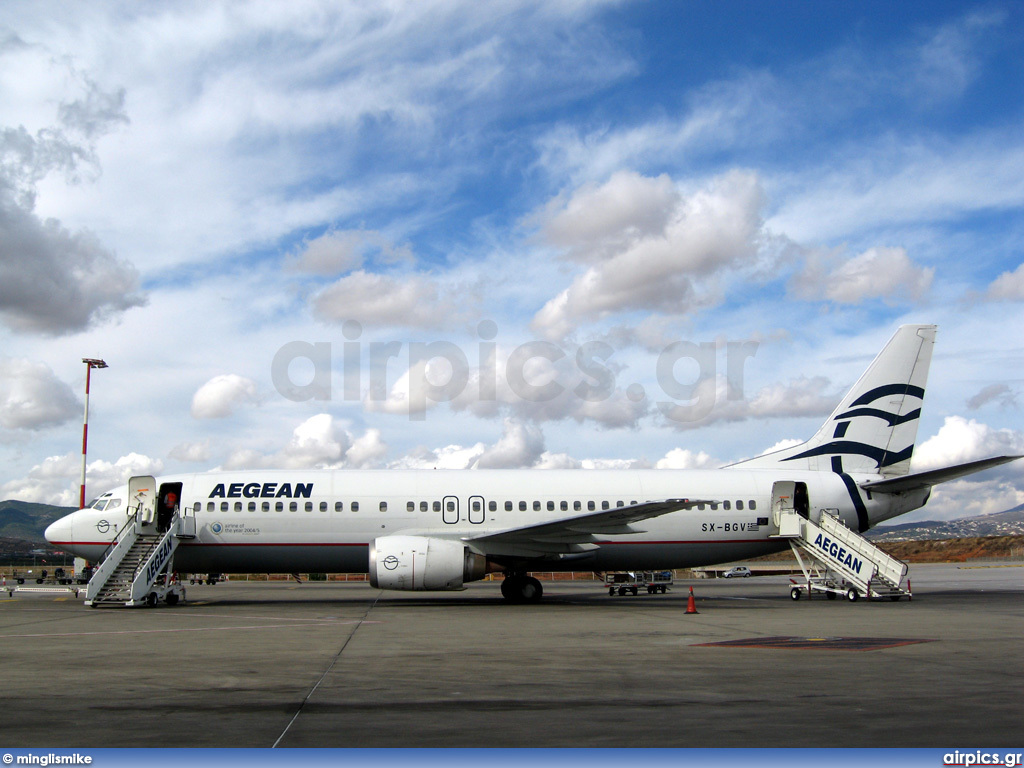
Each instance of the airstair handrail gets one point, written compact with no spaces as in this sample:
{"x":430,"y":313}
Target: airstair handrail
{"x":150,"y":569}
{"x":117,"y":536}
{"x":885,"y":565}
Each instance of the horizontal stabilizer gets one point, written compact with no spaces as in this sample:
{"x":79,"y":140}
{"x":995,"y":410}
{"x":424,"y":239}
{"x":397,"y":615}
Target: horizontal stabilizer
{"x":921,"y":480}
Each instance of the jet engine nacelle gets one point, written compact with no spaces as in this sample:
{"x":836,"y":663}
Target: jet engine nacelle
{"x":423,"y":563}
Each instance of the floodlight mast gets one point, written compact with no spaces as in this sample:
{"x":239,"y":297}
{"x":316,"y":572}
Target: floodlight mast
{"x":90,"y":364}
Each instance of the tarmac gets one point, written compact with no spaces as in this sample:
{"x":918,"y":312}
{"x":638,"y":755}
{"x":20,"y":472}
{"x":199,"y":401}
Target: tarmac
{"x":262,"y":664}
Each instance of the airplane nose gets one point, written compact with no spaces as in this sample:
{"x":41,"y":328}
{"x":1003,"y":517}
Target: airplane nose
{"x":59,"y":532}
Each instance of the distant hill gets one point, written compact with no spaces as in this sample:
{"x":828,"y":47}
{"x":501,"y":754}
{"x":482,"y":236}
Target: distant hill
{"x":1008,"y":523}
{"x":27,"y":521}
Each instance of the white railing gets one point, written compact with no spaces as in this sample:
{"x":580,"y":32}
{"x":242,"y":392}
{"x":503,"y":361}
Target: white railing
{"x":888,"y":567}
{"x":151,"y":568}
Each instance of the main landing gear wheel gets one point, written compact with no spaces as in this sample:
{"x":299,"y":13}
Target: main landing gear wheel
{"x":521,"y":589}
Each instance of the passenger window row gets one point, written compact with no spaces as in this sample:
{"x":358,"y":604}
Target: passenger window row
{"x":476,"y":505}
{"x":265,"y":506}
{"x":727,"y":505}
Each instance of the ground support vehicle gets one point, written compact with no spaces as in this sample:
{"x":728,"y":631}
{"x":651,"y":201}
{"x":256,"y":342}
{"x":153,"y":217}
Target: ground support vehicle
{"x":205,"y":578}
{"x":43,"y":580}
{"x":840,"y":560}
{"x":45,"y":576}
{"x":832,"y":586}
{"x":631,"y":582}
{"x":827,"y":584}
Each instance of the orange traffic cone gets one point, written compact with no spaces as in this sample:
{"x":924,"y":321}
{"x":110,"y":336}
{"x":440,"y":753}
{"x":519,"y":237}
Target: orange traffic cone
{"x":691,"y":606}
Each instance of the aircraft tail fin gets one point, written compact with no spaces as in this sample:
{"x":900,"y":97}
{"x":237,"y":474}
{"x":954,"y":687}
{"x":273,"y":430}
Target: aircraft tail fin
{"x":874,"y":427}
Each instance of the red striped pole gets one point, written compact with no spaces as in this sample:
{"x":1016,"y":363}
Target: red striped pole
{"x":90,"y":363}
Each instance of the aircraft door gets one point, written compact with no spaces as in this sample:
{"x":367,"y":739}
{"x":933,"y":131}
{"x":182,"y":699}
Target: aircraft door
{"x":168,"y":502}
{"x":801,"y":503}
{"x":142,"y":502}
{"x":788,"y":496}
{"x":782,"y":500}
{"x":476,"y":510}
{"x":450,"y":510}
{"x":187,"y":524}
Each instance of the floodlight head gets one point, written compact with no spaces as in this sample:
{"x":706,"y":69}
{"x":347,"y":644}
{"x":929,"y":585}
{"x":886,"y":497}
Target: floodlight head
{"x":92,"y":363}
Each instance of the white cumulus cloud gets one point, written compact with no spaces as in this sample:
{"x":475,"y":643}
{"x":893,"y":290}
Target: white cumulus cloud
{"x":711,"y":402}
{"x":191,"y":452}
{"x":319,"y":442}
{"x":57,"y":480}
{"x":684,"y":458}
{"x":960,"y":440}
{"x":217,"y":398}
{"x":368,"y":450}
{"x":649,"y":258}
{"x":339,"y":251}
{"x":55,"y":281}
{"x":885,"y":273}
{"x":32,"y":397}
{"x":520,"y":445}
{"x":1009,"y":286}
{"x":373,"y":299}
{"x":968,"y":498}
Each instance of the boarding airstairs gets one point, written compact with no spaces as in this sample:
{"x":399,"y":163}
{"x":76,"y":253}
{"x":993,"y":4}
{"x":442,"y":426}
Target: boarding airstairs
{"x":138,"y":567}
{"x":839,"y":560}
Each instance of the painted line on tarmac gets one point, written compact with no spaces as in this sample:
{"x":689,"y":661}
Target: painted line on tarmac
{"x":237,"y":617}
{"x":773,"y":599}
{"x":981,"y":567}
{"x":193,"y":629}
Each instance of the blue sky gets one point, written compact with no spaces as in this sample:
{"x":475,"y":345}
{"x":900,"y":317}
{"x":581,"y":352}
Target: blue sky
{"x":187,"y":190}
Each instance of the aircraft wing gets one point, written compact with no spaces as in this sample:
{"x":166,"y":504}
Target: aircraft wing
{"x":921,"y":480}
{"x":576,"y":534}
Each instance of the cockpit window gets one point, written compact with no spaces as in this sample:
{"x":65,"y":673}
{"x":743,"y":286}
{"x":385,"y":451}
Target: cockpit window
{"x":114,"y":504}
{"x":100,"y":504}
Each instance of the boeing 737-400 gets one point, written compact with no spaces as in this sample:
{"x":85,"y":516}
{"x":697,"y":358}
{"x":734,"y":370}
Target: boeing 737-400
{"x":437,"y":530}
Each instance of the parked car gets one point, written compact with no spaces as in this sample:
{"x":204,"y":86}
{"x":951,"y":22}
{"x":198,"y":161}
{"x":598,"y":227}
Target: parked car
{"x":737,"y":571}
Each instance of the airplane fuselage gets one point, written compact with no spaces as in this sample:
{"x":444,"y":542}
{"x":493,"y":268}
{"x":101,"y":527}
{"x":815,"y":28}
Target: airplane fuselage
{"x":326,"y":521}
{"x":436,"y":530}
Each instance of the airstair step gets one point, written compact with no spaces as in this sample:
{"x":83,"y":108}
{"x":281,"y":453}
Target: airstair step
{"x":128,"y":576}
{"x":844,"y":553}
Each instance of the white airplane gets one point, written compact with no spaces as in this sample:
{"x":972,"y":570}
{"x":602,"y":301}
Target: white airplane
{"x":436,"y":530}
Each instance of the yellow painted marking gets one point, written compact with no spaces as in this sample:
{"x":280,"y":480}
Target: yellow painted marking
{"x":980,"y":567}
